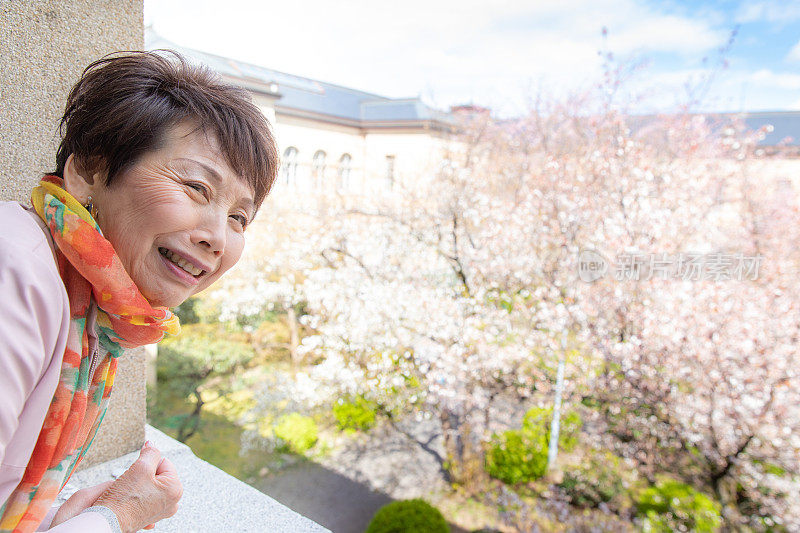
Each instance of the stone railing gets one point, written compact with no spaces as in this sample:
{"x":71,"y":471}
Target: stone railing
{"x":212,"y":500}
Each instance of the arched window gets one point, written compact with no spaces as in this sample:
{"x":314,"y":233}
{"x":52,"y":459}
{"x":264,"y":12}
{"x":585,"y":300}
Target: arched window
{"x":390,"y":176}
{"x":319,"y":166}
{"x":289,"y":165}
{"x":344,"y":171}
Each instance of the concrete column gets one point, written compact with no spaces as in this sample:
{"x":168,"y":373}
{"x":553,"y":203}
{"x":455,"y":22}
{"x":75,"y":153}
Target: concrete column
{"x":44,"y":47}
{"x":151,"y":364}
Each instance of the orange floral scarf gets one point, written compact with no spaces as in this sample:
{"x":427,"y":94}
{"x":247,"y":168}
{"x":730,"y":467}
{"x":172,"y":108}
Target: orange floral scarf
{"x":91,"y":271}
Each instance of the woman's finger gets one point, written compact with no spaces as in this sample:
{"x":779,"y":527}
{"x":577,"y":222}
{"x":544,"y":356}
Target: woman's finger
{"x":92,"y":493}
{"x":79,"y":501}
{"x":86,"y":497}
{"x":149,"y":457}
{"x":166,"y":467}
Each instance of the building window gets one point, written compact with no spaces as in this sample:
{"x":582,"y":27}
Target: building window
{"x":319,"y":166}
{"x":289,"y":168}
{"x":390,"y":177}
{"x":344,"y":171}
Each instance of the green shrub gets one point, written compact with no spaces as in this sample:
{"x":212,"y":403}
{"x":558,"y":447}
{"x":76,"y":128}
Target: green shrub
{"x":408,"y":516}
{"x":600,"y":477}
{"x":520,"y":455}
{"x":200,"y":353}
{"x":517,"y":456}
{"x":186,"y":312}
{"x":538,"y":420}
{"x":358,"y":414}
{"x":674,"y":506}
{"x":297,"y":432}
{"x":254,"y":320}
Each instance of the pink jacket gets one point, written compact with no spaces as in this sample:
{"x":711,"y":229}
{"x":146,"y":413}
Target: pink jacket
{"x":34,"y":319}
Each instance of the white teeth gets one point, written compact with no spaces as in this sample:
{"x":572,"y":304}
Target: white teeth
{"x":181,"y":262}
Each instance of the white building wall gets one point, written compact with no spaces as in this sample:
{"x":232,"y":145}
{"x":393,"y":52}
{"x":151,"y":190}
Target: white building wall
{"x":266,"y":104}
{"x":309,"y":136}
{"x":416,"y":156}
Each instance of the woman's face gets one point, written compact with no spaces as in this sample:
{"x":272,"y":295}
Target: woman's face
{"x":177,"y":217}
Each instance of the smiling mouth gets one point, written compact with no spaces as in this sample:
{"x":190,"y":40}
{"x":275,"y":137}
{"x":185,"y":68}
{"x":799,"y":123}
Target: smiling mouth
{"x":181,"y":263}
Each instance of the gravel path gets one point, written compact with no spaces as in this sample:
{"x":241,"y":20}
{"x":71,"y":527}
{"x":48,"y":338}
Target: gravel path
{"x":344,"y":490}
{"x":326,"y":497}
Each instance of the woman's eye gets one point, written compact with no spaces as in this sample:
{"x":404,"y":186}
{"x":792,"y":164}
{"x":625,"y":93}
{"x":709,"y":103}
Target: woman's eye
{"x":241,"y":219}
{"x":199,"y":187}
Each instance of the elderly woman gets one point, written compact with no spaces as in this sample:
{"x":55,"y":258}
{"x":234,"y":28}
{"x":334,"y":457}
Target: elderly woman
{"x":160,"y":170}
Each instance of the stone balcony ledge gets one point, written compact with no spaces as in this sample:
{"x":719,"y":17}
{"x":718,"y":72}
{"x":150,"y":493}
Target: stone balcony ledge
{"x":212,"y":500}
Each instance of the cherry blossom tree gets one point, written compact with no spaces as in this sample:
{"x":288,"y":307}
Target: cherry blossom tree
{"x":454,"y":292}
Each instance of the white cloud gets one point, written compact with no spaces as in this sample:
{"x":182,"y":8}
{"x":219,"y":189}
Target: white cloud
{"x":779,"y":80}
{"x":765,"y":90}
{"x":772,"y":11}
{"x":668,"y":33}
{"x":452,"y":50}
{"x":730,"y":90}
{"x":794,"y":53}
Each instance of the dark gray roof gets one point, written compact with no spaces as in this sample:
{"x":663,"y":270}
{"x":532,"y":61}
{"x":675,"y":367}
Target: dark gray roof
{"x":785,"y":124}
{"x":406,"y":109}
{"x":312,"y":96}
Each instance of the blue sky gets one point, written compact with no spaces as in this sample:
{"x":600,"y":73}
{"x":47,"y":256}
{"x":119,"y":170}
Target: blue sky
{"x":502,"y":53}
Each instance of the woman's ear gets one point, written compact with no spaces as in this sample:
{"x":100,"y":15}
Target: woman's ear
{"x":78,"y":180}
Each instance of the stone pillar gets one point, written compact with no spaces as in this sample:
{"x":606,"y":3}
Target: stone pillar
{"x":151,"y":364}
{"x":44,"y":47}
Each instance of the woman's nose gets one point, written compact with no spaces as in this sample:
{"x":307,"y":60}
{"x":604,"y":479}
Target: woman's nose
{"x":211,"y":232}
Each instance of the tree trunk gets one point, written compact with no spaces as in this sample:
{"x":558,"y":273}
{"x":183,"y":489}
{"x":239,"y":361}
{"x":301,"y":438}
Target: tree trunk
{"x":294,"y":336}
{"x":464,"y":455}
{"x":191,"y":423}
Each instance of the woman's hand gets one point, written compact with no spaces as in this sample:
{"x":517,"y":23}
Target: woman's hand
{"x":78,"y":502}
{"x":147,"y":492}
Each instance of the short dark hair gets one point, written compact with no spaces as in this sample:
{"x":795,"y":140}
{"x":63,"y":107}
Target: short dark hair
{"x":124,"y":103}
